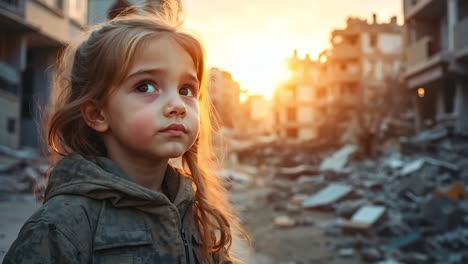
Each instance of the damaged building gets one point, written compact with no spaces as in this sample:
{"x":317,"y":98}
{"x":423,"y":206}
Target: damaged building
{"x":364,"y":60}
{"x":225,"y":95}
{"x":353,"y":76}
{"x":31,"y":34}
{"x":294,"y":113}
{"x":436,"y":34}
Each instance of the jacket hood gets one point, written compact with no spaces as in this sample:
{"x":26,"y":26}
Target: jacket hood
{"x":102,"y":179}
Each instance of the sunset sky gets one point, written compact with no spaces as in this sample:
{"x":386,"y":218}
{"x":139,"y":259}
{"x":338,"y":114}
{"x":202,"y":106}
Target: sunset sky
{"x":252,"y":38}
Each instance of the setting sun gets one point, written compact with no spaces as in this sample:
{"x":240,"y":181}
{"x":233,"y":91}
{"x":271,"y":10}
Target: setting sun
{"x":262,"y":75}
{"x":253,"y":39}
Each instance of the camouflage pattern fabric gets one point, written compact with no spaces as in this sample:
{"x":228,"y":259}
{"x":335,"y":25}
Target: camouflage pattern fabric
{"x":94,"y":213}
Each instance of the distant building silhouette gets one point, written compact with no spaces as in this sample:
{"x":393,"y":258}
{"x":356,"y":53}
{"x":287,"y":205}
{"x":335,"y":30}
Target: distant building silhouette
{"x":294,"y":100}
{"x":225,"y":95}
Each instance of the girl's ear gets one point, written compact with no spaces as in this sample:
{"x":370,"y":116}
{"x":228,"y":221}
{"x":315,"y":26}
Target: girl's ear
{"x":94,"y":116}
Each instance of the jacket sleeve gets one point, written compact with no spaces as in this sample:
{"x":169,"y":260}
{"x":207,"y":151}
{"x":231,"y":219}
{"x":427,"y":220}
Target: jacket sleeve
{"x":43,"y":242}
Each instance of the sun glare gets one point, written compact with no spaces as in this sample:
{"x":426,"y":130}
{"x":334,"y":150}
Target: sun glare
{"x":262,"y":74}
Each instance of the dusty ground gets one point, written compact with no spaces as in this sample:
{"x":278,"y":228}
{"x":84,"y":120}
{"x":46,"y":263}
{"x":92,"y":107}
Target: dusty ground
{"x":304,"y":244}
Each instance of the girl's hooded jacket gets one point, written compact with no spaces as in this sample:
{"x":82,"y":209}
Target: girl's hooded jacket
{"x":94,"y":213}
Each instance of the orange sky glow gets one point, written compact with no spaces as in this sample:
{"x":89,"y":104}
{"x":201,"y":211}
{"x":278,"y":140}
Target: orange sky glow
{"x":252,"y":39}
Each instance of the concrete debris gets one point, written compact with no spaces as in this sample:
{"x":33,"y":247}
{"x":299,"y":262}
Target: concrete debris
{"x":371,"y":254}
{"x":430,"y":135}
{"x":20,"y":170}
{"x":368,"y":215}
{"x":339,"y":159}
{"x":408,"y":200}
{"x":394,"y":163}
{"x":346,"y":252}
{"x":365,"y":218}
{"x":21,"y":154}
{"x":234,"y":176}
{"x":324,"y":198}
{"x":412,"y":167}
{"x":284,"y":221}
{"x":457,"y":191}
{"x":305,"y":221}
{"x":389,"y":261}
{"x":298,"y":171}
{"x":405,"y":241}
{"x":309,"y":185}
{"x":348,"y":208}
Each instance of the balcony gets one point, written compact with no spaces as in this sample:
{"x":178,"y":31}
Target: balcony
{"x":426,"y":9}
{"x":344,"y":52}
{"x":343,"y":77}
{"x":16,"y":7}
{"x":461,"y":39}
{"x":12,"y":13}
{"x":423,"y":54}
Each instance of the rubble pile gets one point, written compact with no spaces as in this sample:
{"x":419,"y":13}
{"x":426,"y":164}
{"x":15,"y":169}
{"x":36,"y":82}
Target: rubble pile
{"x":20,"y":171}
{"x":408,"y":205}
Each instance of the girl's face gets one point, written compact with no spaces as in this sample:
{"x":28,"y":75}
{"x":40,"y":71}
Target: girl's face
{"x":154,"y":112}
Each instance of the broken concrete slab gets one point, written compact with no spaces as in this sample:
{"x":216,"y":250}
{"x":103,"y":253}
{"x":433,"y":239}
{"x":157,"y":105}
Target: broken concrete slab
{"x":371,"y":254}
{"x":430,"y":135}
{"x":298,"y":171}
{"x":284,"y":221}
{"x":441,"y":163}
{"x":346,"y":252}
{"x":347,"y":208}
{"x":308,"y":184}
{"x":412,"y":167}
{"x":389,"y":261}
{"x":339,"y":159}
{"x":27,"y":154}
{"x":368,"y":215}
{"x":363,"y":221}
{"x":331,"y":194}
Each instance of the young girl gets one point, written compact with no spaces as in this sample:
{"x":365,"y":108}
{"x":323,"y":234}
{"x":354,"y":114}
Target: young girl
{"x":131,"y":99}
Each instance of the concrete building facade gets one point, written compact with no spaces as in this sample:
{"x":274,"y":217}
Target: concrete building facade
{"x":294,"y":101}
{"x":257,"y":117}
{"x":436,"y":40}
{"x":362,"y":57}
{"x":225,"y":95}
{"x":31,"y":34}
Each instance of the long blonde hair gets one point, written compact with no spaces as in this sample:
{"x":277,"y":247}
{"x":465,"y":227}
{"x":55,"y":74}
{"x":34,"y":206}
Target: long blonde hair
{"x":101,"y":60}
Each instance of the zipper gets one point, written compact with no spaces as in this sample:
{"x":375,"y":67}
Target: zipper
{"x":184,"y":235}
{"x":184,"y":238}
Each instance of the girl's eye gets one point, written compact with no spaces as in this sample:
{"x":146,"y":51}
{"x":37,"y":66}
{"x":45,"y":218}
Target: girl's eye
{"x":186,"y":91}
{"x":147,"y":88}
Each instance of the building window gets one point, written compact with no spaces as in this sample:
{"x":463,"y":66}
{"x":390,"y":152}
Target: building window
{"x":352,"y":40}
{"x":291,"y":113}
{"x":449,"y":97}
{"x":292,"y":132}
{"x":373,"y":40}
{"x":320,"y":93}
{"x":11,"y":125}
{"x":343,"y":66}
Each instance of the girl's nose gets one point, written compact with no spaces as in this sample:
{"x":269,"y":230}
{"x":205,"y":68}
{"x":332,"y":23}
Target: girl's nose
{"x":175,"y":106}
